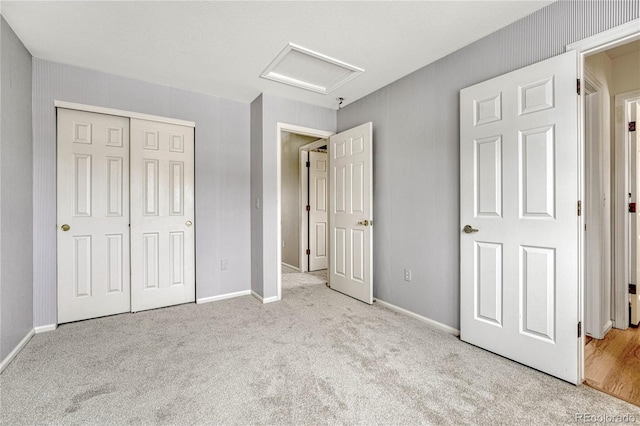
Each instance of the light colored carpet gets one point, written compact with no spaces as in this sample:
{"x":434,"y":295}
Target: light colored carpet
{"x":316,"y":357}
{"x":322,"y":274}
{"x":288,"y":270}
{"x":296,"y":279}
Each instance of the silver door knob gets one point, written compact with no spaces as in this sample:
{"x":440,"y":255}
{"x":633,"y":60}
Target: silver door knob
{"x":188,"y":223}
{"x":468,"y":229}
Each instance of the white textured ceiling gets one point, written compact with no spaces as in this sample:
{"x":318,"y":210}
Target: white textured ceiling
{"x":220,"y":48}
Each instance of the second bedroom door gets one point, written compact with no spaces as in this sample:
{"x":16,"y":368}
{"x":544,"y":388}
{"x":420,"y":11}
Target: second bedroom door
{"x":162,"y":215}
{"x":318,"y":258}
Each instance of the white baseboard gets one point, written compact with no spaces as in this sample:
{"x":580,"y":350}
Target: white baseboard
{"x":223,"y":296}
{"x":429,"y":321}
{"x":5,"y":362}
{"x":45,"y":328}
{"x":291,"y":266}
{"x":263,"y":299}
{"x":257,"y":296}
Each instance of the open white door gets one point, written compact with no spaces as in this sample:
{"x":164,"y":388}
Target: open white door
{"x":351,"y":212}
{"x":634,"y":136}
{"x":93,"y":215}
{"x":162,"y":215}
{"x":519,"y":216}
{"x":634,"y":176}
{"x":318,"y":228}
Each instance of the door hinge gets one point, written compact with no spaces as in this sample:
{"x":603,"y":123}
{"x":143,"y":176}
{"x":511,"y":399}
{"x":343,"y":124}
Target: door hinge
{"x":308,"y":252}
{"x":308,"y":208}
{"x":308,"y":163}
{"x":579,"y":328}
{"x":579,"y":208}
{"x":578,"y":86}
{"x":632,"y":126}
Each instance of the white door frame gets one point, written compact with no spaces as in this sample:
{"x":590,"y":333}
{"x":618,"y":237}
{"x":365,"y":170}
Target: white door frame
{"x":303,"y":219}
{"x":620,"y":297}
{"x":300,"y":130}
{"x":591,"y":45}
{"x":595,"y":300}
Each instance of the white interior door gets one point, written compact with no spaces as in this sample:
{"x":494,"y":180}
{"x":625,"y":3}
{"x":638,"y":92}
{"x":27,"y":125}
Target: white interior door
{"x":318,"y":228}
{"x":519,"y":195}
{"x":597,"y":273}
{"x":634,"y":150}
{"x":162,"y":215}
{"x":351,"y":212}
{"x":93,"y":215}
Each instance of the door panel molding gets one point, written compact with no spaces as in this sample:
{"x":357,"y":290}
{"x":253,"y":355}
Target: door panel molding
{"x":162,"y":215}
{"x":93,"y":204}
{"x":519,"y":271}
{"x":351,"y":212}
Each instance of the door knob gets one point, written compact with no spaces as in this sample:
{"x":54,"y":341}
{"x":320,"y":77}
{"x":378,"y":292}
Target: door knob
{"x":188,"y":223}
{"x":365,"y":222}
{"x":65,"y":227}
{"x":468,"y":229}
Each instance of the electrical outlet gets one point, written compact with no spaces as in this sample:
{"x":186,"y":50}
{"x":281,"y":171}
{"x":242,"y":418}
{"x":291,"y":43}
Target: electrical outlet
{"x":284,"y":243}
{"x":407,"y":275}
{"x":224,"y":264}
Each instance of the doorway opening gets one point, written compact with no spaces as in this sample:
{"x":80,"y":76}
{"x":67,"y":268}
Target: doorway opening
{"x":349,"y":206}
{"x":304,"y":223}
{"x":611,"y":107}
{"x":296,"y":221}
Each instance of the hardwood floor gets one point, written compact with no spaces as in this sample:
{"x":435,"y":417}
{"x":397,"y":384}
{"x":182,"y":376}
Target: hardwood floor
{"x":612,"y":365}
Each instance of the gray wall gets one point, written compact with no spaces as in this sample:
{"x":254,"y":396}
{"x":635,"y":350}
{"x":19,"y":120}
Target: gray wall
{"x":16,"y":194}
{"x":416,"y":152}
{"x":290,"y":193}
{"x":222,"y":172}
{"x":256,"y":196}
{"x":264,"y":240}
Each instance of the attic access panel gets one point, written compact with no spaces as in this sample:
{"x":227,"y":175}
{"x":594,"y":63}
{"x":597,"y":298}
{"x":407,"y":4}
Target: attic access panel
{"x":306,"y":69}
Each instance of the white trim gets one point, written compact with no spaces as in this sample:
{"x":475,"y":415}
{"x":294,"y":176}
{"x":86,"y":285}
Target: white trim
{"x":429,"y":321}
{"x":121,"y":113}
{"x":302,"y":221}
{"x":223,"y":297}
{"x":269,"y":73}
{"x":5,"y":362}
{"x":597,"y":246}
{"x":257,"y":296}
{"x":607,"y":327}
{"x":593,"y":81}
{"x":620,"y":234}
{"x":605,"y":40}
{"x":264,"y":300}
{"x":291,"y":128}
{"x":290,"y":266}
{"x":45,"y":328}
{"x":597,"y":43}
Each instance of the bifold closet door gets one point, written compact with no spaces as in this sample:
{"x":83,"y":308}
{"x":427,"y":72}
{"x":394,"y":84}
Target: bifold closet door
{"x":92,"y":215}
{"x":162,"y":215}
{"x":318,"y":229}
